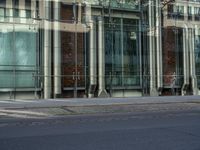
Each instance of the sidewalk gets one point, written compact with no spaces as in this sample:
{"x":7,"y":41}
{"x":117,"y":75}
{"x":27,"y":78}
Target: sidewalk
{"x":41,"y":103}
{"x":59,"y":107}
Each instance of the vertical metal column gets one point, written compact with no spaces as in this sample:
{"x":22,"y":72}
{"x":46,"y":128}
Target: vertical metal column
{"x":92,"y":59}
{"x":159,"y":47}
{"x":47,"y":50}
{"x":92,"y":52}
{"x":57,"y":50}
{"x":79,"y":13}
{"x":101,"y":59}
{"x":192,"y":62}
{"x":185,"y":61}
{"x":153,"y":90}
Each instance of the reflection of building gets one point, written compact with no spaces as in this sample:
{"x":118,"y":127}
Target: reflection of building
{"x":181,"y":45}
{"x":97,"y":48}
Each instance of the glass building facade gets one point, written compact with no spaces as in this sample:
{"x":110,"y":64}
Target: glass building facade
{"x":99,"y":48}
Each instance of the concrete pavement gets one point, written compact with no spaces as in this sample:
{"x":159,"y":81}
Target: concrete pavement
{"x":41,"y":103}
{"x":60,"y":107}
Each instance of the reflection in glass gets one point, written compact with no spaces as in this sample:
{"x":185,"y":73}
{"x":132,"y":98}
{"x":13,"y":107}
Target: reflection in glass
{"x":122,"y":52}
{"x":18,"y":57}
{"x":197,"y":58}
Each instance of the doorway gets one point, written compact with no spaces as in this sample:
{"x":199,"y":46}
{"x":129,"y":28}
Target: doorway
{"x":122,"y":54}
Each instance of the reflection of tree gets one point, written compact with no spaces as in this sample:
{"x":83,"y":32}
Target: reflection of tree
{"x":166,"y":2}
{"x":163,"y":2}
{"x":114,"y":3}
{"x":197,"y":49}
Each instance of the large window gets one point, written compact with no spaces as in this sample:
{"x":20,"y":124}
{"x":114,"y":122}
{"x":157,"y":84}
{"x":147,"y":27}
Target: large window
{"x":2,"y":9}
{"x":197,"y":13}
{"x":176,"y":12}
{"x":190,"y":13}
{"x":18,"y":60}
{"x":197,"y":58}
{"x":122,"y":53}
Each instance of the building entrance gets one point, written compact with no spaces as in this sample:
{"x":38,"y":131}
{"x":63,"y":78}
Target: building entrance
{"x":122,"y":54}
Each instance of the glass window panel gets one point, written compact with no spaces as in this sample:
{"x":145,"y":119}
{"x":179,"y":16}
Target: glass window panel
{"x":131,"y":53}
{"x":17,"y":55}
{"x":25,"y":79}
{"x":197,"y":58}
{"x":122,"y":52}
{"x":113,"y":52}
{"x":6,"y":79}
{"x":9,"y":12}
{"x":25,"y":47}
{"x":6,"y":56}
{"x":25,"y":44}
{"x":28,"y":13}
{"x":2,"y":3}
{"x":1,"y":12}
{"x":6,"y":45}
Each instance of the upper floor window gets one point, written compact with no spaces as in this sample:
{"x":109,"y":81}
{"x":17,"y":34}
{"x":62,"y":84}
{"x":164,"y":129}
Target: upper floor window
{"x":2,"y":8}
{"x":189,"y":13}
{"x":197,"y":13}
{"x":1,"y":12}
{"x":175,"y":12}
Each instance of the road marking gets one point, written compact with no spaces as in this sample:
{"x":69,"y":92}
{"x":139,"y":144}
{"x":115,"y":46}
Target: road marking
{"x":22,"y":112}
{"x":27,"y":101}
{"x":7,"y":101}
{"x":3,"y":124}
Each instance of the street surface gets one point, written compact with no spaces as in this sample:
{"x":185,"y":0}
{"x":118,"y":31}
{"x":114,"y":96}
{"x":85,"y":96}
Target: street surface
{"x":125,"y":131}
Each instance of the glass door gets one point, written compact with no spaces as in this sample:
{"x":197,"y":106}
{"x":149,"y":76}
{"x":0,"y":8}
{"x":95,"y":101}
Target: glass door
{"x":131,"y":53}
{"x":122,"y":53}
{"x":113,"y":52}
{"x":68,"y":64}
{"x":81,"y":65}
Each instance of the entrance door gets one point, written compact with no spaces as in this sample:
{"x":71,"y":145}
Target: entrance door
{"x":73,"y":53}
{"x":122,"y":52}
{"x":73,"y":64}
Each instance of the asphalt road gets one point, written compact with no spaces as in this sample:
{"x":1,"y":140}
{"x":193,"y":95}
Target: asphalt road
{"x":152,"y":131}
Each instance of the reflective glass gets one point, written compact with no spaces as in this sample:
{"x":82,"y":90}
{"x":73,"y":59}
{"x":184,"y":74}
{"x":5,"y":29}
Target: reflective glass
{"x":6,"y":56}
{"x":197,"y":58}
